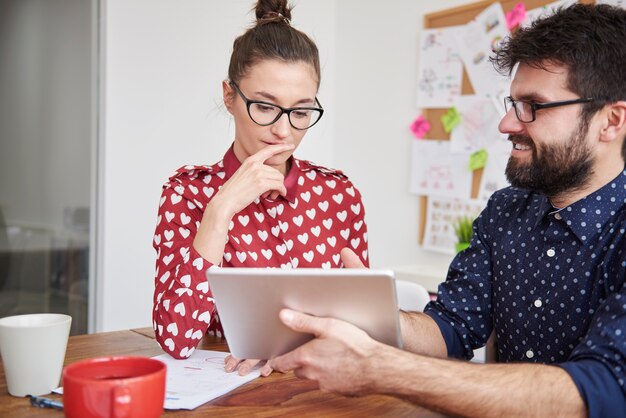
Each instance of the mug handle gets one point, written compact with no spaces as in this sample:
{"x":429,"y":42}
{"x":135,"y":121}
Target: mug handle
{"x":120,"y":406}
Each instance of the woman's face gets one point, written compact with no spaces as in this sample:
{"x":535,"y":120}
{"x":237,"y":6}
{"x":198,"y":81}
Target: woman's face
{"x":286,"y":84}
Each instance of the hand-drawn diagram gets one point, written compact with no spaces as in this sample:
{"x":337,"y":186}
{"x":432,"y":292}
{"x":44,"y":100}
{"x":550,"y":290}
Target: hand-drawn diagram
{"x":440,"y":69}
{"x":436,"y":171}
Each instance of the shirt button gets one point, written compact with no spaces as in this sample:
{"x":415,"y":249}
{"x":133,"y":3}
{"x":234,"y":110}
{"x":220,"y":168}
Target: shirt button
{"x":530,"y":354}
{"x":557,"y":216}
{"x":538,"y":303}
{"x":551,"y":252}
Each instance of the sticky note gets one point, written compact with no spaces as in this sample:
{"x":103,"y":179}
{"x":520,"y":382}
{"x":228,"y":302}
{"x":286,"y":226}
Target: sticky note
{"x":478,"y":159}
{"x":420,"y":126}
{"x":515,"y":16}
{"x":451,"y":119}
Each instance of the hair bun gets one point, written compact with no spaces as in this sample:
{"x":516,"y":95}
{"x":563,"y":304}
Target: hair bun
{"x":273,"y":10}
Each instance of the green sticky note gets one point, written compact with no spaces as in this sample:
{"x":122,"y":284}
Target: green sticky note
{"x":478,"y":160}
{"x":451,"y":119}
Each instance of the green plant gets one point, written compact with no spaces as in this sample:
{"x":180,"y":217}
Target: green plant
{"x":463,"y":231}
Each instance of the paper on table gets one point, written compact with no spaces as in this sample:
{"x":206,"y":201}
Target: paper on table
{"x":199,"y":379}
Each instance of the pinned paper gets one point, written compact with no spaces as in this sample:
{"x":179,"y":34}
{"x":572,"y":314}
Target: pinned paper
{"x":420,"y":126}
{"x":477,"y":41}
{"x":494,"y":177}
{"x":478,"y":159}
{"x":516,"y":15}
{"x":451,"y":119}
{"x":618,"y":3}
{"x":479,"y":124}
{"x":441,"y":214}
{"x":436,"y":171}
{"x":545,"y":11}
{"x":440,"y":72}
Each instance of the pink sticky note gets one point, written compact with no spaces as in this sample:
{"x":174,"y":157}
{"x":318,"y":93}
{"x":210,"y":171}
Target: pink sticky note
{"x":420,"y":126}
{"x":515,"y":16}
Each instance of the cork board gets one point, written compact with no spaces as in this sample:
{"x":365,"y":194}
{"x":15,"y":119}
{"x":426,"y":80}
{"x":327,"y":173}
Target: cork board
{"x":451,"y":17}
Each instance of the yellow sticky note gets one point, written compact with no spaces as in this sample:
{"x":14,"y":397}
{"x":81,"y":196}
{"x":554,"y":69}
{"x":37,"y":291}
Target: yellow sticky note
{"x":451,"y":119}
{"x":478,"y":159}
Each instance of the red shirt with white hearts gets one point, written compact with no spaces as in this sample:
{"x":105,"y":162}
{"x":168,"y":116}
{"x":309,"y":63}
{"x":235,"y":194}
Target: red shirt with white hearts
{"x":321,"y":214}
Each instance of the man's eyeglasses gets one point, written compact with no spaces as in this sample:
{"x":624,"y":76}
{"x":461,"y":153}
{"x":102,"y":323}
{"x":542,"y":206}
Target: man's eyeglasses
{"x":264,"y":113}
{"x":526,"y":111}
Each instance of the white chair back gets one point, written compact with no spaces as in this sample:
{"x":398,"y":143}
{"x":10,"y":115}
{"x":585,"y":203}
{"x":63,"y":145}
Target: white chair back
{"x":411,"y":296}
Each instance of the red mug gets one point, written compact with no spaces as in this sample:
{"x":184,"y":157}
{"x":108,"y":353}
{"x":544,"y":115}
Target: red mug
{"x":119,"y":387}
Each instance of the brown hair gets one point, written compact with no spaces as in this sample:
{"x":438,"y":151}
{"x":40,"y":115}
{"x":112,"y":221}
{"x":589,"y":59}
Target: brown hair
{"x":272,"y":37}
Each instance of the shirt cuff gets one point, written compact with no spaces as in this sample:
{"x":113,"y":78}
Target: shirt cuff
{"x":453,"y":341}
{"x":598,"y":387}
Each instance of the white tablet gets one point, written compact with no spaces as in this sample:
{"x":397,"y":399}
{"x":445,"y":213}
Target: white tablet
{"x":249,"y":299}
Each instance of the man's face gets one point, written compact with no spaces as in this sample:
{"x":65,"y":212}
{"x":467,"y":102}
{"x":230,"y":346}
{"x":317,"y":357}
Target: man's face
{"x":553,"y":154}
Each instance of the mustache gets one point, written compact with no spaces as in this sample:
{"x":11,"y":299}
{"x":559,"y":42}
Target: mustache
{"x":521,"y":139}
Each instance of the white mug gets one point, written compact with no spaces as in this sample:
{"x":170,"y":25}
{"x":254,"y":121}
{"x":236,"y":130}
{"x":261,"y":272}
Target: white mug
{"x":33,"y":351}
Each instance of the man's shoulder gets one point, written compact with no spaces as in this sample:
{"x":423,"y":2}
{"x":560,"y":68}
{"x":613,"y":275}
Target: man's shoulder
{"x":512,"y":196}
{"x":513,"y":200}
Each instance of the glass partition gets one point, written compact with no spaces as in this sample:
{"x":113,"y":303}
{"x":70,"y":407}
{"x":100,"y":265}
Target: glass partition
{"x":46,"y":124}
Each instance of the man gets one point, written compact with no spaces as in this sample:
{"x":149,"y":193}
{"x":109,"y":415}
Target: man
{"x":547,"y":262}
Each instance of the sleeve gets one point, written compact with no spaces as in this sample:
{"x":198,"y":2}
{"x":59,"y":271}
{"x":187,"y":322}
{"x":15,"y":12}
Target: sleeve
{"x":597,"y":365}
{"x":358,"y":228}
{"x":463,"y":306}
{"x":182,"y":306}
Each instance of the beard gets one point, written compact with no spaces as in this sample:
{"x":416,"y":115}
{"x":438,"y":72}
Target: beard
{"x":555,"y":169}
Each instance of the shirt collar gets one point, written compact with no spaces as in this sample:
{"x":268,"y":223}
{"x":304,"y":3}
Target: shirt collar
{"x":587,"y":217}
{"x":232,"y":164}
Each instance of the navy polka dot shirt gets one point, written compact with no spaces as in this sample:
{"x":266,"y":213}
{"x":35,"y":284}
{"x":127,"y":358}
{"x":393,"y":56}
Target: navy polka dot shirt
{"x":550,"y":283}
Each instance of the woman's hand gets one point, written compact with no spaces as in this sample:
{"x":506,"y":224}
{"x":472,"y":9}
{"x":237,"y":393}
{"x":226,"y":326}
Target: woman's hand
{"x":253,"y":179}
{"x":244,"y":366}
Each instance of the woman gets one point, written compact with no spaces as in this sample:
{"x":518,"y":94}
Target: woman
{"x":259,"y":206}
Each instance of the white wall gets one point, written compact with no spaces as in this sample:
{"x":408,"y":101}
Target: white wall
{"x":164,"y":61}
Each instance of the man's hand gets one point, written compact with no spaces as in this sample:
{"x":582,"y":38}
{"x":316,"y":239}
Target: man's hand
{"x":339,"y":358}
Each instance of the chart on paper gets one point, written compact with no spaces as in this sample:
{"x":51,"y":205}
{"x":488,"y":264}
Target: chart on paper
{"x":199,"y":379}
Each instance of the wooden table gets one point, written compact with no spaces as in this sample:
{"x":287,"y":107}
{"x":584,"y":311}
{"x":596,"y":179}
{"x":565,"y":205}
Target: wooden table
{"x":276,"y":395}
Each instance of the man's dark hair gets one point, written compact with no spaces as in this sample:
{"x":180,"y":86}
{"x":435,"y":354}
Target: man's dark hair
{"x":590,"y":40}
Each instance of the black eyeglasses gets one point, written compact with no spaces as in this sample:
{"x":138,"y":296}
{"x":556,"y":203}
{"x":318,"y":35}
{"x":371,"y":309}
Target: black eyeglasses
{"x":264,"y":113}
{"x":526,"y":111}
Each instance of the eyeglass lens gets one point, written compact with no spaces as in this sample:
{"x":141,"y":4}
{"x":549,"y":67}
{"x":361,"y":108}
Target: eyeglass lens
{"x":266,"y":114}
{"x":523,"y":110}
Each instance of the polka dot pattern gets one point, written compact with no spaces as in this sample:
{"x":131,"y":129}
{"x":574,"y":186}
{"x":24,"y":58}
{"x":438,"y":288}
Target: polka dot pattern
{"x":321,"y":214}
{"x":549,"y":282}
